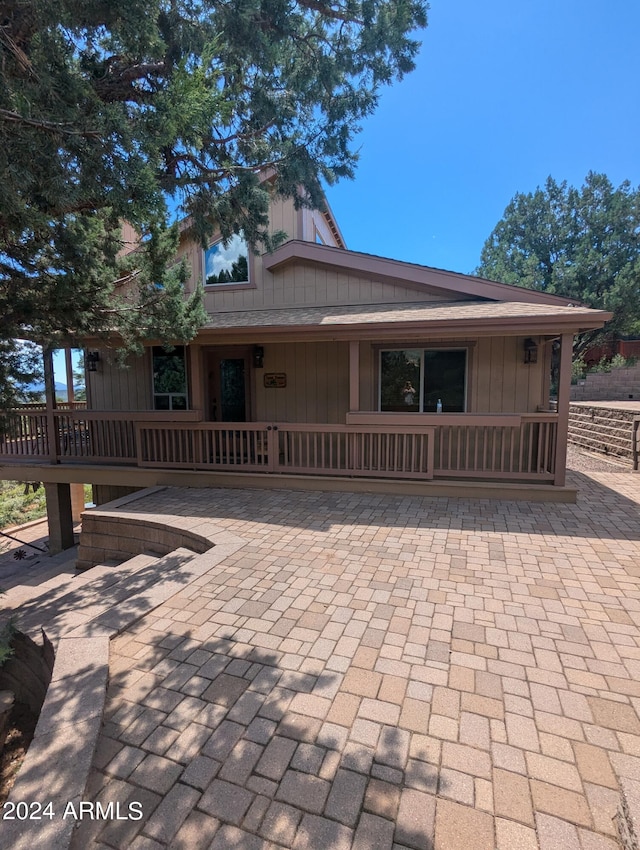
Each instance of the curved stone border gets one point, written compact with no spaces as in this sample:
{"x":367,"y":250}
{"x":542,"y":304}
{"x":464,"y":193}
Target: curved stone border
{"x":58,"y":762}
{"x":110,"y":533}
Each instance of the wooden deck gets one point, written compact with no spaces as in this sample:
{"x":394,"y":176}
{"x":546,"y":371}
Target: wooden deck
{"x":506,"y":447}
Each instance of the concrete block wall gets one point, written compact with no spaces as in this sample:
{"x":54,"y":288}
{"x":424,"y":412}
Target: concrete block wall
{"x":108,"y":537}
{"x":617,"y":385}
{"x":607,"y":430}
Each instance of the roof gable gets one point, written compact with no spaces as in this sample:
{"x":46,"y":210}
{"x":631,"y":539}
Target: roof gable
{"x":446,"y":284}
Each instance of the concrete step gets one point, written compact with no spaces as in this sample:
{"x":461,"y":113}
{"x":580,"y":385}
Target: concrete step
{"x":59,"y":586}
{"x":102,"y":595}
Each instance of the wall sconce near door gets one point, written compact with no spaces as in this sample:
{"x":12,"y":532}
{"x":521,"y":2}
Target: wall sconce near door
{"x":530,"y":351}
{"x":93,"y":358}
{"x":258,"y":356}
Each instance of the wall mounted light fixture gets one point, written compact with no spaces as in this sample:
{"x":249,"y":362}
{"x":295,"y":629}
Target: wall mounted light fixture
{"x":93,"y":358}
{"x":530,"y":351}
{"x":258,"y":356}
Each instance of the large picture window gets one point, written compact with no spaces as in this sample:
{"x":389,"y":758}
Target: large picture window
{"x":227,"y":263}
{"x":416,"y":380}
{"x":169,"y":378}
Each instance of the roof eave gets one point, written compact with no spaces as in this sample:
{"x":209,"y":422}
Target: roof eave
{"x":507,"y":326}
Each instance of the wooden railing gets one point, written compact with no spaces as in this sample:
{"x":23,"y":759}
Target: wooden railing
{"x":23,"y":435}
{"x":237,"y":446}
{"x":405,"y":452}
{"x":510,"y":447}
{"x":498,"y":451}
{"x":77,"y":436}
{"x":60,"y":405}
{"x":497,"y":446}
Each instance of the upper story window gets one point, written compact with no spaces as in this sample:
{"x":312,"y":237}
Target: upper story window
{"x":415,"y":380}
{"x":169,"y":378}
{"x":227,"y":263}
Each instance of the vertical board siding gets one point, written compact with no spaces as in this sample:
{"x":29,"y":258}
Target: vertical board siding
{"x":317,"y":383}
{"x":114,"y":388}
{"x":502,"y":381}
{"x":298,"y":284}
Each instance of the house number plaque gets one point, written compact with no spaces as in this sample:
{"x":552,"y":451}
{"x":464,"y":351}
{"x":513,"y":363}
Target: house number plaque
{"x":275,"y":380}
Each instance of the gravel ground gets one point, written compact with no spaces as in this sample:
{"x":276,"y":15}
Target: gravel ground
{"x":581,"y":461}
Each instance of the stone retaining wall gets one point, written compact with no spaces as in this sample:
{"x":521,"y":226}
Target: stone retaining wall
{"x":610,"y":431}
{"x":616,"y":385}
{"x":109,"y":537}
{"x":27,"y":672}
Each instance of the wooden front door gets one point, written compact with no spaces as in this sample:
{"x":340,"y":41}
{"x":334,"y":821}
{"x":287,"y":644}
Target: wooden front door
{"x":229,"y":395}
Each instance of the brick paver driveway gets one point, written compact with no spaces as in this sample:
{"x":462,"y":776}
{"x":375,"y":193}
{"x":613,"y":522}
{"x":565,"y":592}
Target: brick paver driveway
{"x":371,"y":672}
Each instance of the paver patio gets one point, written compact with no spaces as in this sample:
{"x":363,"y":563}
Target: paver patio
{"x":374,"y":672}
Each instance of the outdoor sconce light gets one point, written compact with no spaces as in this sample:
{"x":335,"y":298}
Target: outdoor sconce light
{"x":530,"y":351}
{"x":93,"y":358}
{"x":258,"y":356}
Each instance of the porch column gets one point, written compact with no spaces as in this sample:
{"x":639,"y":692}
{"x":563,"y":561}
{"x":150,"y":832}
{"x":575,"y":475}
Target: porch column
{"x":50,"y":403}
{"x":69,"y":369}
{"x":59,"y":517}
{"x":77,"y":490}
{"x":196,"y":376}
{"x":564,"y":388}
{"x":354,"y":375}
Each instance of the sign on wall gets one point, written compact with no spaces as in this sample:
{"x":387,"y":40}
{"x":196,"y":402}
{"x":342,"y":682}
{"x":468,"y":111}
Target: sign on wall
{"x":275,"y":380}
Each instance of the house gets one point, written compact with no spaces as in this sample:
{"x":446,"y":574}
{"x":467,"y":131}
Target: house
{"x":327,"y":368}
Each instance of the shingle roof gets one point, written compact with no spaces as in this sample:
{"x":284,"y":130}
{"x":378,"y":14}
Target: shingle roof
{"x":418,"y":312}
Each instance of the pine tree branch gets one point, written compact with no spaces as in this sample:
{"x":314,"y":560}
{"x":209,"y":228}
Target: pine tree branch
{"x":327,"y":12}
{"x":47,"y":126}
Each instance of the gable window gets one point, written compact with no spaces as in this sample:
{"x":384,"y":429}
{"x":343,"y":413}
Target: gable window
{"x":169,"y":378}
{"x":415,"y":380}
{"x":227,"y":263}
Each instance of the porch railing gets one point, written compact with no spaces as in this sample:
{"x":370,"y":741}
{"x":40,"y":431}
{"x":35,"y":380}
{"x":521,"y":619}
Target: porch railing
{"x":498,"y":451}
{"x":510,"y":447}
{"x":60,"y":405}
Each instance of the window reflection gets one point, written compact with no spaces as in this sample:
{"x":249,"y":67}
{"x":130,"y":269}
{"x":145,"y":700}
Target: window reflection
{"x":227,"y":263}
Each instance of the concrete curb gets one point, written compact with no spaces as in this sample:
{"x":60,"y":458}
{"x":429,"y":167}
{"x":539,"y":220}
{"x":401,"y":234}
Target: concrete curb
{"x":63,"y":745}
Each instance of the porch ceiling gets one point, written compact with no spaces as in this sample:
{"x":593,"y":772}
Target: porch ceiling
{"x":477,"y":317}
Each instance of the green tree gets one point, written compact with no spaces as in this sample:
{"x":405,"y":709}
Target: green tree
{"x":581,"y":243}
{"x":135,"y":109}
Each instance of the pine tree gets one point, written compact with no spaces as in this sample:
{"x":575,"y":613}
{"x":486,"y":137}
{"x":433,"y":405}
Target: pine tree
{"x":130,"y":109}
{"x":581,"y":243}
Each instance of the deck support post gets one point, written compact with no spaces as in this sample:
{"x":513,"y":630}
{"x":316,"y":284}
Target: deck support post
{"x":564,"y":389}
{"x":59,"y":517}
{"x":354,"y":375}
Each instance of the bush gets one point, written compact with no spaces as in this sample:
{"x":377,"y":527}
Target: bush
{"x":578,"y":370}
{"x":18,"y":503}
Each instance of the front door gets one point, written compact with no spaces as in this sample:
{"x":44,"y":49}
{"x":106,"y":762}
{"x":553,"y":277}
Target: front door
{"x":229,"y":399}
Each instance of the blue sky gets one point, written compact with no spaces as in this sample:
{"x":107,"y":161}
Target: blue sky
{"x":505,"y":93}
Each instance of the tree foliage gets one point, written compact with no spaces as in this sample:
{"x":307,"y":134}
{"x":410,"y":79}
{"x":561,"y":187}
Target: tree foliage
{"x":115,"y":110}
{"x":582,"y":243}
